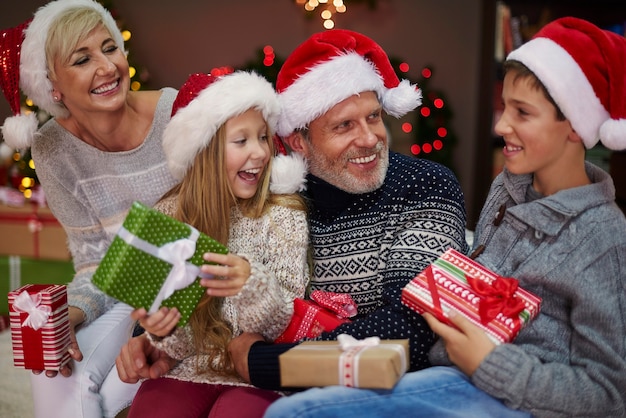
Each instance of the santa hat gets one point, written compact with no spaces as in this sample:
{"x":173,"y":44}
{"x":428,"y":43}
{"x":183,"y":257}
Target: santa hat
{"x":18,"y":131}
{"x":204,"y":103}
{"x":584,"y":69}
{"x":331,"y":66}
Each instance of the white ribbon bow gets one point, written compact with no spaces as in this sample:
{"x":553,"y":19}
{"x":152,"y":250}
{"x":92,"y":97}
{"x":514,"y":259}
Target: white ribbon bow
{"x":176,"y":253}
{"x":348,"y":342}
{"x":352,"y":350}
{"x":31,"y":304}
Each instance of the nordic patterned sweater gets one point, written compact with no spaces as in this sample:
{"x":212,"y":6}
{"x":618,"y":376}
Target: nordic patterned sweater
{"x":370,"y":246}
{"x":276,"y":246}
{"x":90,"y":192}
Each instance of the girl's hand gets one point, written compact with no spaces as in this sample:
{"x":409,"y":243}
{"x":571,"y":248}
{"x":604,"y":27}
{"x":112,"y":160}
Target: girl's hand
{"x":161,"y":323}
{"x":467,"y":345}
{"x":229,"y":275}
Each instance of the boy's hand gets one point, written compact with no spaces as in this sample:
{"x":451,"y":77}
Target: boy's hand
{"x":467,"y":345}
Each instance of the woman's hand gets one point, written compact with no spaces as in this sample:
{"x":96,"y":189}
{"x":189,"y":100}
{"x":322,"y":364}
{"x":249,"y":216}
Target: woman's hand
{"x":76,"y":317}
{"x":467,"y":345}
{"x":229,"y":275}
{"x":161,"y":323}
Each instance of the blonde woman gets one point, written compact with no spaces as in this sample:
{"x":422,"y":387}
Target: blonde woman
{"x":100,"y":152}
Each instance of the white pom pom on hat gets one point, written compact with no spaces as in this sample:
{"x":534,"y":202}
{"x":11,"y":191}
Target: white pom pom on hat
{"x":288,"y":174}
{"x":331,"y":66}
{"x":30,"y":69}
{"x":584,"y":69}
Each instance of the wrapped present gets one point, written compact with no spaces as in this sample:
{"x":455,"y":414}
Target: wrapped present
{"x":16,"y":271}
{"x":153,"y":261}
{"x":324,"y":312}
{"x":40,"y":327}
{"x":368,"y":363}
{"x":494,"y":303}
{"x":34,"y":232}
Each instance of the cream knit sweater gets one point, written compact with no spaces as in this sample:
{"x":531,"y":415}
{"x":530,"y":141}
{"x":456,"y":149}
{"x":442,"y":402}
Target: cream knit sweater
{"x":276,"y":247}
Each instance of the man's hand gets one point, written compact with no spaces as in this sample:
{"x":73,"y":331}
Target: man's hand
{"x":139,"y":359}
{"x":76,"y":317}
{"x":467,"y":345}
{"x":239,"y":347}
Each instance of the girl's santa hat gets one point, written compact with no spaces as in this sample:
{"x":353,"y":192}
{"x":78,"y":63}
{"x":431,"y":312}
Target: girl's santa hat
{"x":23,"y":54}
{"x":204,"y":103}
{"x":331,"y":66}
{"x":584,"y":69}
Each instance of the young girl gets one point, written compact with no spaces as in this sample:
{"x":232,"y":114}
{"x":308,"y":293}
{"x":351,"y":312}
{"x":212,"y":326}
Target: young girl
{"x":219,"y":144}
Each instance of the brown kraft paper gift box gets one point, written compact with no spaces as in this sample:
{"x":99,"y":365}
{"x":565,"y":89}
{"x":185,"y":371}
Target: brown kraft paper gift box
{"x":320,"y":363}
{"x":32,"y":231}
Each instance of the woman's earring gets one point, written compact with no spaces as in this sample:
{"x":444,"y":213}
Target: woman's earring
{"x":56,"y":98}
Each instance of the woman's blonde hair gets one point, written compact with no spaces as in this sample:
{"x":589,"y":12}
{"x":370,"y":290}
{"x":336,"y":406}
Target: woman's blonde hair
{"x":206,"y":200}
{"x":67,"y":30}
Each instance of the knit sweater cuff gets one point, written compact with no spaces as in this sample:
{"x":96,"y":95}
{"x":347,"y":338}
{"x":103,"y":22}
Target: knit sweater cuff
{"x":263,"y":364}
{"x":494,"y":376}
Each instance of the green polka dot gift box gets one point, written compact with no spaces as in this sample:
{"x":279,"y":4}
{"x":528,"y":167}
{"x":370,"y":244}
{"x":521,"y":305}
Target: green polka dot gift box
{"x":154,"y":261}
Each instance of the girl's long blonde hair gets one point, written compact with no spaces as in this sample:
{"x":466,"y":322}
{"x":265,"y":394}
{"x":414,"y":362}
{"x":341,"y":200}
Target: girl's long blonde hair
{"x":206,"y":200}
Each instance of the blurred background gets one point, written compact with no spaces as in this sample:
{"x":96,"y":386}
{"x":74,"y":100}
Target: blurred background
{"x":451,"y":48}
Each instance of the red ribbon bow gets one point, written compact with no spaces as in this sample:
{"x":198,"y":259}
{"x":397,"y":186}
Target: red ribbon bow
{"x":341,"y":304}
{"x":497,"y":297}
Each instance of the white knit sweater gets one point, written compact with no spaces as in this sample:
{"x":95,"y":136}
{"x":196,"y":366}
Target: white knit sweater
{"x":90,"y":192}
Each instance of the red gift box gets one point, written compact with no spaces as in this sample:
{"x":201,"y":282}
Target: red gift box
{"x":495,"y":303}
{"x":324,"y":312}
{"x":40,"y":328}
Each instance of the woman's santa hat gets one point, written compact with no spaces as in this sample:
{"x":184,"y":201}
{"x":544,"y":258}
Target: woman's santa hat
{"x":584,"y":69}
{"x":24,"y":62}
{"x":331,"y":66}
{"x":204,"y":103}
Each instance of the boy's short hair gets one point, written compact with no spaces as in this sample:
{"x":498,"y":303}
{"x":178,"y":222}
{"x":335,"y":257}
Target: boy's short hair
{"x":522,"y":72}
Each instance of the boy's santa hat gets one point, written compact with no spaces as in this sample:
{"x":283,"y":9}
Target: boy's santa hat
{"x":331,"y":66}
{"x":584,"y":69}
{"x":204,"y":103}
{"x":24,"y":62}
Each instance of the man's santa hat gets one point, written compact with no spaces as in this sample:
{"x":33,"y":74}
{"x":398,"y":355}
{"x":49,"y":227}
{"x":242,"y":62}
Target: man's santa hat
{"x":204,"y":103}
{"x":331,"y":66}
{"x":23,"y":54}
{"x":584,"y":69}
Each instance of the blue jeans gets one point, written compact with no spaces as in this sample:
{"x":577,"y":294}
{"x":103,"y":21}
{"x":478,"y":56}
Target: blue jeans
{"x":434,"y":392}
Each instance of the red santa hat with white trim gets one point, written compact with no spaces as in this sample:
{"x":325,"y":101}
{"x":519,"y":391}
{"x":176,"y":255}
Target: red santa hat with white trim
{"x":331,"y":66}
{"x":584,"y":70}
{"x":206,"y":102}
{"x":23,"y":54}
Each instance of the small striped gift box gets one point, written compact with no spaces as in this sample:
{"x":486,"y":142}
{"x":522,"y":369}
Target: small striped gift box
{"x":40,"y":329}
{"x":495,"y":303}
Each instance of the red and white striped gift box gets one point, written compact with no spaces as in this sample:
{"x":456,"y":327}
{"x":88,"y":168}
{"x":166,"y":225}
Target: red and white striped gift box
{"x":495,"y":303}
{"x":40,"y":330}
